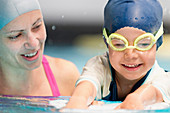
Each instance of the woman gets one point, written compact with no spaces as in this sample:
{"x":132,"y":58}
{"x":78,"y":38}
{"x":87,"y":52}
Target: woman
{"x":128,"y":72}
{"x":24,"y":70}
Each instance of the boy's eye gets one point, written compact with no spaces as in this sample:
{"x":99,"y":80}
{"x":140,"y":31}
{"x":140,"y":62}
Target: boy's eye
{"x":144,"y":43}
{"x":15,"y":37}
{"x":118,"y":43}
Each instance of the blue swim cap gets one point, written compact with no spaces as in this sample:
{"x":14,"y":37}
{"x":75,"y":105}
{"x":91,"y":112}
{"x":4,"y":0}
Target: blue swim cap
{"x":10,"y":9}
{"x":141,"y":14}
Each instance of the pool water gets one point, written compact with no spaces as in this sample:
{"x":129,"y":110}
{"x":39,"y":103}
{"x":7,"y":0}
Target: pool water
{"x":79,"y":56}
{"x":10,"y":104}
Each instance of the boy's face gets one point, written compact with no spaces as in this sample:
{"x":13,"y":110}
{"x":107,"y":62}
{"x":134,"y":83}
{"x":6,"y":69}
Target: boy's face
{"x":132,"y":64}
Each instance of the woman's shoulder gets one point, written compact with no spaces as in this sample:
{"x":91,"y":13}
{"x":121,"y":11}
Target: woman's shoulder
{"x":58,"y":62}
{"x":65,"y":73}
{"x":62,"y":66}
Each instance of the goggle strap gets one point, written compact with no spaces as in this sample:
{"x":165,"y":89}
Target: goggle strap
{"x":159,"y":33}
{"x":105,"y":35}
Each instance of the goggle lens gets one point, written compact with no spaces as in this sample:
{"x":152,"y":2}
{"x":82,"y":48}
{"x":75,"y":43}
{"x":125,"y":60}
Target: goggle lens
{"x":144,"y":43}
{"x":118,"y":43}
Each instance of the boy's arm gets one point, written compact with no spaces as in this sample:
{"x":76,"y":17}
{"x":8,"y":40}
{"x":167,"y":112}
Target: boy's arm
{"x":144,"y":95}
{"x":83,"y":95}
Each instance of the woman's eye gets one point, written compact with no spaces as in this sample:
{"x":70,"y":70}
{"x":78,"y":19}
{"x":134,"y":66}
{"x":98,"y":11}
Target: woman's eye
{"x":15,"y":37}
{"x":37,"y":27}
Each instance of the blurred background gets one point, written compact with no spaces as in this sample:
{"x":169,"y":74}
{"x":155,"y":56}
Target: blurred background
{"x":74,"y":30}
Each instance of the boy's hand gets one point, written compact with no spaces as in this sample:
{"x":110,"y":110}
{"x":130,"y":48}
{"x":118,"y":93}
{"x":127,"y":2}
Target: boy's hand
{"x":97,"y":103}
{"x":77,"y":103}
{"x":132,"y":101}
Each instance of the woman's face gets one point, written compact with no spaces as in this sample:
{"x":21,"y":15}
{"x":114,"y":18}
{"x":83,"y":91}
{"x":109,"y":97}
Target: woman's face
{"x":132,"y":64}
{"x":22,"y":41}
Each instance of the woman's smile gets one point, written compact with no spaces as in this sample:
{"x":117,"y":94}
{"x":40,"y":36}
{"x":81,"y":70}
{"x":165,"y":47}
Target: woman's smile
{"x":31,"y":56}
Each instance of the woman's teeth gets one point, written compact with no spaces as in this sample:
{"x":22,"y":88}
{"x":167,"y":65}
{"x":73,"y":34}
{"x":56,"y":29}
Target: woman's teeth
{"x":31,"y":54}
{"x":131,"y":65}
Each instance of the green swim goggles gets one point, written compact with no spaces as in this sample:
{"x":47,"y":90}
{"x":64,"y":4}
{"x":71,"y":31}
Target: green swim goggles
{"x":143,"y":43}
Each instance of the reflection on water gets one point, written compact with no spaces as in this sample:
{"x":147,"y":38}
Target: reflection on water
{"x":9,"y":104}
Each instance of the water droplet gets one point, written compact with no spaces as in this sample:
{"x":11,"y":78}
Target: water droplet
{"x":142,"y":17}
{"x":53,"y":27}
{"x":136,"y":18}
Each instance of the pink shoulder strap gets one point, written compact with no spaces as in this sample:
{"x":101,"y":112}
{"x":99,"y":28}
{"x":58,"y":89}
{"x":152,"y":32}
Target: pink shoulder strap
{"x":50,"y":77}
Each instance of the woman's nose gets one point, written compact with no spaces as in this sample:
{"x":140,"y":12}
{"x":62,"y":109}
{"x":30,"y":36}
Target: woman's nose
{"x":32,"y":41}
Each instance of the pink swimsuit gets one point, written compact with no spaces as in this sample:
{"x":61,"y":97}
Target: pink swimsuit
{"x":50,"y":77}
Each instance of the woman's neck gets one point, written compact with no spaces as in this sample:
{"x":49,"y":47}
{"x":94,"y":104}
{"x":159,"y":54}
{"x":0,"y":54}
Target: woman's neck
{"x":15,"y":82}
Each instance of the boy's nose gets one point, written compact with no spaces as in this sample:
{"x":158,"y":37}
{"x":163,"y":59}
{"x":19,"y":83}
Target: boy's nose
{"x":130,"y":54}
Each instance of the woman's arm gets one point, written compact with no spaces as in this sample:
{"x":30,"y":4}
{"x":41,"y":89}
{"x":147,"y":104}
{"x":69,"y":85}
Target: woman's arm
{"x":83,"y":95}
{"x":145,"y":95}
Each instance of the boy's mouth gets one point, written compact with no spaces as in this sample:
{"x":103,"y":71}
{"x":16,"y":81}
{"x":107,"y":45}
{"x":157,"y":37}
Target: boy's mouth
{"x":132,"y":67}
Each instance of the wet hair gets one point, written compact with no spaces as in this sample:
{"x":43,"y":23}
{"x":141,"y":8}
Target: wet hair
{"x":10,"y":9}
{"x":142,"y":14}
